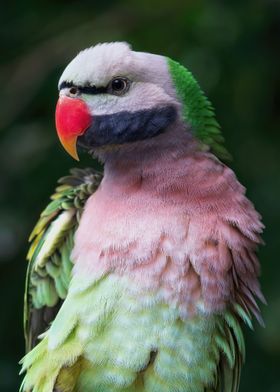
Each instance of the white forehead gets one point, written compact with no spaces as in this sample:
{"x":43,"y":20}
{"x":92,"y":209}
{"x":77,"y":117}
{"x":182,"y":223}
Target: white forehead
{"x":97,"y":65}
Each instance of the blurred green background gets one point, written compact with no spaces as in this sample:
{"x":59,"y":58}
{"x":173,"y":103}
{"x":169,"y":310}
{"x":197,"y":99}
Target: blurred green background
{"x":232,"y":47}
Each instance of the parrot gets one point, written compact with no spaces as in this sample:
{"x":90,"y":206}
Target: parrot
{"x":141,"y":276}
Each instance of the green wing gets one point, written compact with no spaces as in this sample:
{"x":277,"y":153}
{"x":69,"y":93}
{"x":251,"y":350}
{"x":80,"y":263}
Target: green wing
{"x":230,"y":343}
{"x":49,"y":267}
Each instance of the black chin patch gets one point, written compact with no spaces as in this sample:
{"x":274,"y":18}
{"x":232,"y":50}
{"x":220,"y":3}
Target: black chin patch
{"x":126,"y":127}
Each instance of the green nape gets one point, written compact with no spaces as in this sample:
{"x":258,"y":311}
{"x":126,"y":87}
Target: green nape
{"x":198,"y":110}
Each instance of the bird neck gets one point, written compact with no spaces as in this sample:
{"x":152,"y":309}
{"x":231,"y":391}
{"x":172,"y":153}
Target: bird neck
{"x":133,"y":161}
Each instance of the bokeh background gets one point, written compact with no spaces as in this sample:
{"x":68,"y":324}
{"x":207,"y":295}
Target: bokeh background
{"x":232,"y":47}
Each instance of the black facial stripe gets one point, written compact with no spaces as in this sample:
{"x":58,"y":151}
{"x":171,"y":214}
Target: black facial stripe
{"x":93,"y":90}
{"x":125,"y":127}
{"x":84,"y":89}
{"x":65,"y":85}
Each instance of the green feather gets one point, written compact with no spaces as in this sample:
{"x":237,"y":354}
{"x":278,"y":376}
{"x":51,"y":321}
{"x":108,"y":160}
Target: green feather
{"x":197,"y":110}
{"x":105,"y":339}
{"x":49,"y":268}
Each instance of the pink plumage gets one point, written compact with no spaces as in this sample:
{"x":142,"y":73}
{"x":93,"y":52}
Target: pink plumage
{"x":177,"y":220}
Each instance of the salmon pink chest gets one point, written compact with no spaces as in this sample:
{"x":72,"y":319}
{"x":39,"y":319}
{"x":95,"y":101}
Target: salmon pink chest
{"x":125,"y":232}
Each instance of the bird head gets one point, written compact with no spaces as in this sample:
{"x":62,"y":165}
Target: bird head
{"x":110,"y":95}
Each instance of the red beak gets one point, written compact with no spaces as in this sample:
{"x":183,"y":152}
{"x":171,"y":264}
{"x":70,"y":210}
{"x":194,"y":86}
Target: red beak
{"x":72,"y":118}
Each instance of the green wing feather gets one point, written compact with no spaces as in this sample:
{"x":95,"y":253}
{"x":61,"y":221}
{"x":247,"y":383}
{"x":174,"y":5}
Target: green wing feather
{"x":49,"y":267}
{"x":230,"y":342}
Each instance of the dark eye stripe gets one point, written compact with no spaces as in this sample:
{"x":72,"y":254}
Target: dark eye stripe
{"x":65,"y":85}
{"x":84,"y":89}
{"x":92,"y":90}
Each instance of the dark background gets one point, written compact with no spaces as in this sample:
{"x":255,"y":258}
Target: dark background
{"x":232,"y":47}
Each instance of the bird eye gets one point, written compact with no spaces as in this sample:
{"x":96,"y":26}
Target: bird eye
{"x":73,"y":91}
{"x":118,"y":86}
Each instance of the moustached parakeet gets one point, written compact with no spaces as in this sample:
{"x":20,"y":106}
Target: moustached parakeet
{"x":141,"y":277}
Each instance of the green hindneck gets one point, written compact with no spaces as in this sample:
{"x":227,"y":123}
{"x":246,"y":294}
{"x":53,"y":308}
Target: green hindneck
{"x":197,"y":110}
